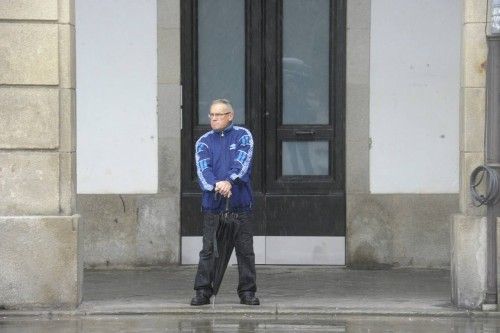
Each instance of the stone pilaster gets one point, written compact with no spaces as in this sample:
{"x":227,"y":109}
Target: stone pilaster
{"x":472,"y":104}
{"x":39,"y":242}
{"x":468,"y":229}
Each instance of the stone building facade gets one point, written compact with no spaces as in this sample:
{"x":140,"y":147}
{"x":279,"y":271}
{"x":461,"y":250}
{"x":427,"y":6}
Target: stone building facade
{"x":50,"y":232}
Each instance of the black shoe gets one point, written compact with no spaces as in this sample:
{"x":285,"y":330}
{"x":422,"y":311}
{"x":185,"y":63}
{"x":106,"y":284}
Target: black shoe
{"x":249,"y":300}
{"x":201,"y":298}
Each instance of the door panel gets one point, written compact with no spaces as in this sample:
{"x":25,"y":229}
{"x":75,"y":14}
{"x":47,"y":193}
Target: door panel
{"x":305,"y":62}
{"x":305,"y":158}
{"x":305,"y":96}
{"x":221,"y":56}
{"x":305,"y":215}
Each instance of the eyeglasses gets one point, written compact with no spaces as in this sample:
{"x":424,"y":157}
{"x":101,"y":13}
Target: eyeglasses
{"x":217,"y":115}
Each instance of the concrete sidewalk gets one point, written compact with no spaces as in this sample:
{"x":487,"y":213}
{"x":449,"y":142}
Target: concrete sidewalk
{"x":283,"y":290}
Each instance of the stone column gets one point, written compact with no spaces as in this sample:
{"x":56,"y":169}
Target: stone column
{"x":468,"y":230}
{"x":40,"y":262}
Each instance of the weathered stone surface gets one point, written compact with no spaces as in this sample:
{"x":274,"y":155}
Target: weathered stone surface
{"x":110,"y":229}
{"x":39,"y":257}
{"x":29,"y":53}
{"x":400,"y":230}
{"x":169,"y":55}
{"x":468,"y":261}
{"x":472,"y":119}
{"x":29,"y":118}
{"x":158,"y":224}
{"x":475,"y":11}
{"x":358,"y":96}
{"x":169,"y":145}
{"x":68,"y":120}
{"x":28,"y":9}
{"x":169,"y":111}
{"x":169,"y":165}
{"x":169,"y":14}
{"x":474,"y":55}
{"x":67,"y":183}
{"x":67,"y":56}
{"x":357,"y":166}
{"x":29,"y":183}
{"x":67,"y":11}
{"x":130,"y":230}
{"x":358,"y":112}
{"x":358,"y":14}
{"x":358,"y":56}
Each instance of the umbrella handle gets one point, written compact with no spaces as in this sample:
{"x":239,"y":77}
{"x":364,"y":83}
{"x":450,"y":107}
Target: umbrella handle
{"x":228,"y":201}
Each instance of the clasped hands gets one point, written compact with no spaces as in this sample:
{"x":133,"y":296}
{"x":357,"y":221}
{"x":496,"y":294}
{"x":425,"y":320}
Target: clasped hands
{"x":223,"y":188}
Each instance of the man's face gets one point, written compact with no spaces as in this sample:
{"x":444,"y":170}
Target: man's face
{"x":220,"y":116}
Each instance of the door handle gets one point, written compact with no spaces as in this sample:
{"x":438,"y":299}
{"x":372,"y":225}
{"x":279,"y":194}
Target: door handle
{"x":304,"y":132}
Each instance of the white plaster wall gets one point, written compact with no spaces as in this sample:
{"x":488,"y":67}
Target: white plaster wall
{"x":116,"y":51}
{"x":414,"y":96}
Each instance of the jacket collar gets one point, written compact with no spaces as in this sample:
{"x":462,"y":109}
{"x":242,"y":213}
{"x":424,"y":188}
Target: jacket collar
{"x":226,"y":130}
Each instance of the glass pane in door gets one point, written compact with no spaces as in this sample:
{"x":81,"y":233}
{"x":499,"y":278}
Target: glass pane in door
{"x":305,"y":158}
{"x":221,"y":55}
{"x":305,"y":63}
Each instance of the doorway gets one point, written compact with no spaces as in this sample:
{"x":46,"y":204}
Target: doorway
{"x":282,"y":65}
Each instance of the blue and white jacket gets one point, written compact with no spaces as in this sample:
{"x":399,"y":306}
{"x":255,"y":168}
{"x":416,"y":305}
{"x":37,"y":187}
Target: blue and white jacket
{"x":225,"y":155}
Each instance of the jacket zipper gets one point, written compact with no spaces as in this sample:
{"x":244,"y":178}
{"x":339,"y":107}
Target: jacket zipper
{"x":224,"y":151}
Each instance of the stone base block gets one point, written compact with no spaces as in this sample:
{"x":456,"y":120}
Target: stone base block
{"x":468,"y":261}
{"x":40,"y":262}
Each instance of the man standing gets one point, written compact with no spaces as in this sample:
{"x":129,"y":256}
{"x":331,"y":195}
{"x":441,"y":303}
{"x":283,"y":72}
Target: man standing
{"x":224,"y":167}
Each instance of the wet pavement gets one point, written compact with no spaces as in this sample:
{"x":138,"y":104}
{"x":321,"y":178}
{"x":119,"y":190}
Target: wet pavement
{"x":294,"y":299}
{"x":247,"y":324}
{"x":281,"y":289}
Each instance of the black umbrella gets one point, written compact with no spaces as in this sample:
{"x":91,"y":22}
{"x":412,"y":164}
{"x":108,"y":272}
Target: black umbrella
{"x":223,"y":247}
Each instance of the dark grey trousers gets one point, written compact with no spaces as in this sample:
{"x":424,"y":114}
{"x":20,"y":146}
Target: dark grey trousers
{"x":243,"y":239}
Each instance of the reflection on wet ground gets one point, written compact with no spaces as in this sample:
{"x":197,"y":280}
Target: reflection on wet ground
{"x":246,"y":324}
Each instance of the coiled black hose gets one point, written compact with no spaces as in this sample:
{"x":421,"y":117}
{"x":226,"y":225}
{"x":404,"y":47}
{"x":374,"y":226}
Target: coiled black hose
{"x":492,"y":194}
